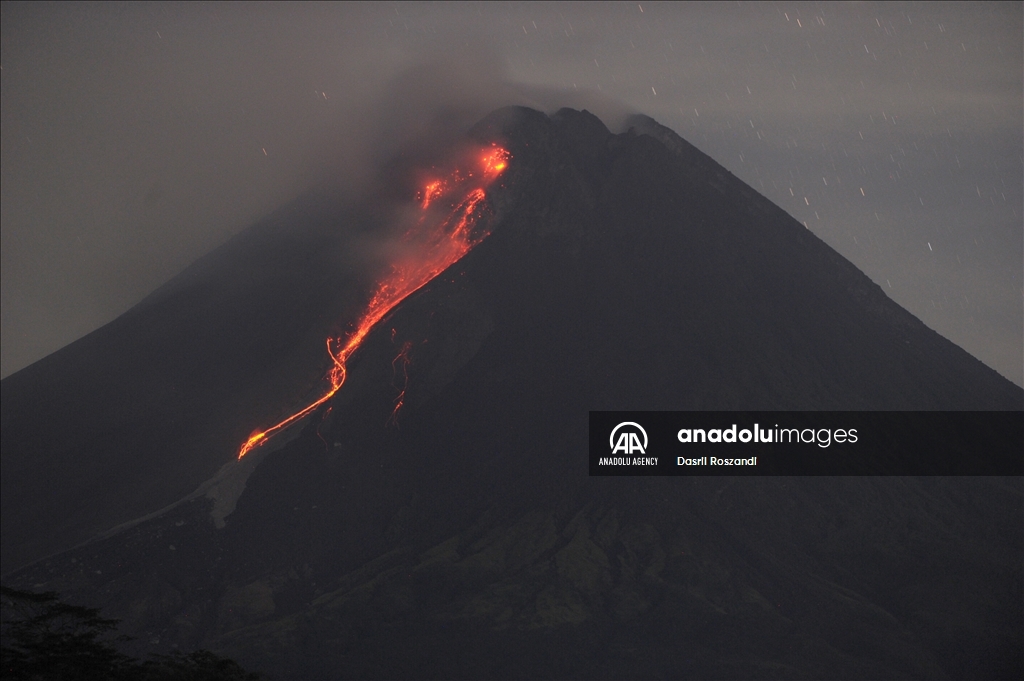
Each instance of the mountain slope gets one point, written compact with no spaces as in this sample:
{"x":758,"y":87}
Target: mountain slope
{"x":137,"y":414}
{"x":623,"y":272}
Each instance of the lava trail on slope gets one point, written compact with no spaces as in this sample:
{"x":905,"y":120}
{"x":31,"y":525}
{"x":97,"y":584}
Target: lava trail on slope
{"x":435,"y":245}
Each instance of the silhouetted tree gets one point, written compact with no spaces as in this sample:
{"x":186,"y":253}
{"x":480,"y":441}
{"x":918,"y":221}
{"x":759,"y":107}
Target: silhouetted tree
{"x":42,"y":638}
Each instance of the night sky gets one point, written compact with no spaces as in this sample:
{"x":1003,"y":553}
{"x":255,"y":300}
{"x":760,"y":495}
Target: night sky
{"x":136,"y":138}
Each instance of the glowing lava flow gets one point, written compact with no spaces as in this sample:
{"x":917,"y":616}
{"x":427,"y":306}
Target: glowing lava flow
{"x":437,"y":249}
{"x":401,"y":360}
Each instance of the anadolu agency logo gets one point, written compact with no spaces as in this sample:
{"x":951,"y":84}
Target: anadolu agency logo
{"x":628,"y":438}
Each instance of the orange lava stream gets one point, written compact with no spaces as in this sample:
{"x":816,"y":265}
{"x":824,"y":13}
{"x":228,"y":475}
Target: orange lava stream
{"x":441,"y":247}
{"x":401,"y":360}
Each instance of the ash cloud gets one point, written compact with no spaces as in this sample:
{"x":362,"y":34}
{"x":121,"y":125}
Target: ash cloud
{"x":428,"y":106}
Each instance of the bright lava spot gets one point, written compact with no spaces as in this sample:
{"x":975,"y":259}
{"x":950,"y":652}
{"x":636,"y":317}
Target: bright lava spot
{"x":431,"y":192}
{"x":439,"y":245}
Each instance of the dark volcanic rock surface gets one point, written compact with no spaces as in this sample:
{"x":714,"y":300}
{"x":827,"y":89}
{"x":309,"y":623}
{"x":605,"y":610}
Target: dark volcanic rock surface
{"x":623,"y":272}
{"x":139,"y":413}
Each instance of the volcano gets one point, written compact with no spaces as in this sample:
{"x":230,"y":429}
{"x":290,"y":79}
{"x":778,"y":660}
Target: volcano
{"x":433,"y":517}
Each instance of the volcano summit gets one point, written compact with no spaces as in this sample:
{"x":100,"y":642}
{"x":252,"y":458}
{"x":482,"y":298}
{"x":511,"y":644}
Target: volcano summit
{"x":620,"y":272}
